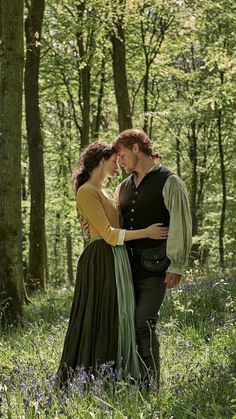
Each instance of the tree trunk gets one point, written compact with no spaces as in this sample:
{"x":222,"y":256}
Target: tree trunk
{"x":99,"y":100}
{"x":84,"y":89}
{"x":57,"y":241}
{"x":11,"y":80}
{"x":63,"y":174}
{"x":120,"y":77}
{"x":24,"y":194}
{"x":145,"y":99}
{"x":69,"y":256}
{"x":203,"y":175}
{"x":37,"y":257}
{"x":85,"y":105}
{"x":194,"y":178}
{"x":24,"y":197}
{"x":224,"y":191}
{"x":178,"y":154}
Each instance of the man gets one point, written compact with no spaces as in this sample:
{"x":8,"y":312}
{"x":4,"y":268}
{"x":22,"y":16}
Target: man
{"x":151,"y":194}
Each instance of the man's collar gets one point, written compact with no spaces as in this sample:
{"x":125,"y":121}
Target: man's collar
{"x":153,"y":169}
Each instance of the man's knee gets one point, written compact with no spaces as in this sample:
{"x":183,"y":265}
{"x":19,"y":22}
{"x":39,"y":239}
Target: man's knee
{"x":145,"y":325}
{"x":146,"y":336}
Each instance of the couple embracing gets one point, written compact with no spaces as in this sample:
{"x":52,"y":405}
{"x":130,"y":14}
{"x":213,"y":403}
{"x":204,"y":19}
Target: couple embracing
{"x":139,"y":240}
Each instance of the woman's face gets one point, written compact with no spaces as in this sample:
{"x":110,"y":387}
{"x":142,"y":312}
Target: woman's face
{"x":110,"y":165}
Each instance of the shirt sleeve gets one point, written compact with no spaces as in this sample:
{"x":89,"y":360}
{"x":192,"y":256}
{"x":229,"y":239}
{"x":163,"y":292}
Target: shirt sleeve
{"x":179,"y":239}
{"x":90,"y":205}
{"x":121,"y":237}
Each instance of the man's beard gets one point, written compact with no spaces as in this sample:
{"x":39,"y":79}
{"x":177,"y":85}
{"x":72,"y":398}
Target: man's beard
{"x":132,"y":169}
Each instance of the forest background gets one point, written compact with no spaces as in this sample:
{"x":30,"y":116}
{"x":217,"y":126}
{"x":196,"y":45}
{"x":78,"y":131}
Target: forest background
{"x":91,"y":69}
{"x":83,"y":70}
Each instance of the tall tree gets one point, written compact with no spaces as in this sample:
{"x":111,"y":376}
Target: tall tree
{"x":63,"y":174}
{"x":81,"y":57}
{"x":119,"y":68}
{"x":37,"y":251}
{"x":11,"y":80}
{"x":218,"y":38}
{"x":183,"y":91}
{"x":84,"y":73}
{"x":154,"y":25}
{"x":97,"y":122}
{"x":224,"y":188}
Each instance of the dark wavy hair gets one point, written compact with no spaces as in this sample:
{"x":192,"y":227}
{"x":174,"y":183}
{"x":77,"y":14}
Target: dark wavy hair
{"x":89,"y":159}
{"x":132,"y":136}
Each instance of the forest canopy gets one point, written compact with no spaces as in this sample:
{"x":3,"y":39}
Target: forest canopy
{"x":91,"y":69}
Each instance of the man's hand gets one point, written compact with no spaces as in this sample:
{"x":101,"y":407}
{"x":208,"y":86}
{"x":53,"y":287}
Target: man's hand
{"x":172,"y":280}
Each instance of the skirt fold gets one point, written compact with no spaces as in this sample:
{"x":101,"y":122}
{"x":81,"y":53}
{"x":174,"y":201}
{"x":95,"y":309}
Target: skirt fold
{"x":92,"y":335}
{"x":101,"y":326}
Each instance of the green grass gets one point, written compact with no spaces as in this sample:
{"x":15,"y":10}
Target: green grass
{"x":198,"y":357}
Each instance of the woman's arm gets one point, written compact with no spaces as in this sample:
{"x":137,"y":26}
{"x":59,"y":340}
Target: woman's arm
{"x":90,"y":205}
{"x":154,"y":231}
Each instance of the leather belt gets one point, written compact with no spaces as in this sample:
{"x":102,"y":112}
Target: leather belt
{"x":135,"y":251}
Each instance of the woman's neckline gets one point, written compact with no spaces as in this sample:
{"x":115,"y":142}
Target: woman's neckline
{"x":102,"y":190}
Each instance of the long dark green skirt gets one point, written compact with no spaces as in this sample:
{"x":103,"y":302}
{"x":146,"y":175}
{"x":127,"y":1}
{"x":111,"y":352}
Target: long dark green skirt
{"x":92,"y":335}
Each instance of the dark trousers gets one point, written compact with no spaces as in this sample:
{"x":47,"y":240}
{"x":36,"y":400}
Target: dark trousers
{"x":150,"y":294}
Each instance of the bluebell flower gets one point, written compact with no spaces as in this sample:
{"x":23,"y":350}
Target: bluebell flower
{"x":97,"y":387}
{"x":22,"y":386}
{"x":26,"y":403}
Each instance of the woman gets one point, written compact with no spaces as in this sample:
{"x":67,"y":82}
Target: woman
{"x":101,"y":326}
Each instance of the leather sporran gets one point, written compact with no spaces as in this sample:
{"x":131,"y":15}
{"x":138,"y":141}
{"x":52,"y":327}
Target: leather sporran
{"x":155,"y":259}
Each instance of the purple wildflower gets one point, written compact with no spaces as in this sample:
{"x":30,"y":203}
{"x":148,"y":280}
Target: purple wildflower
{"x":107,"y":371}
{"x":29,"y":369}
{"x":79,"y":382}
{"x":22,"y":386}
{"x":26,"y":403}
{"x":97,"y":387}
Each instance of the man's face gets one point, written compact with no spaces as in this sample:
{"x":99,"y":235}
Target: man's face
{"x":127,"y":158}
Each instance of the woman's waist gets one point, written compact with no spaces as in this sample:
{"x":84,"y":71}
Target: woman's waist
{"x":94,"y":238}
